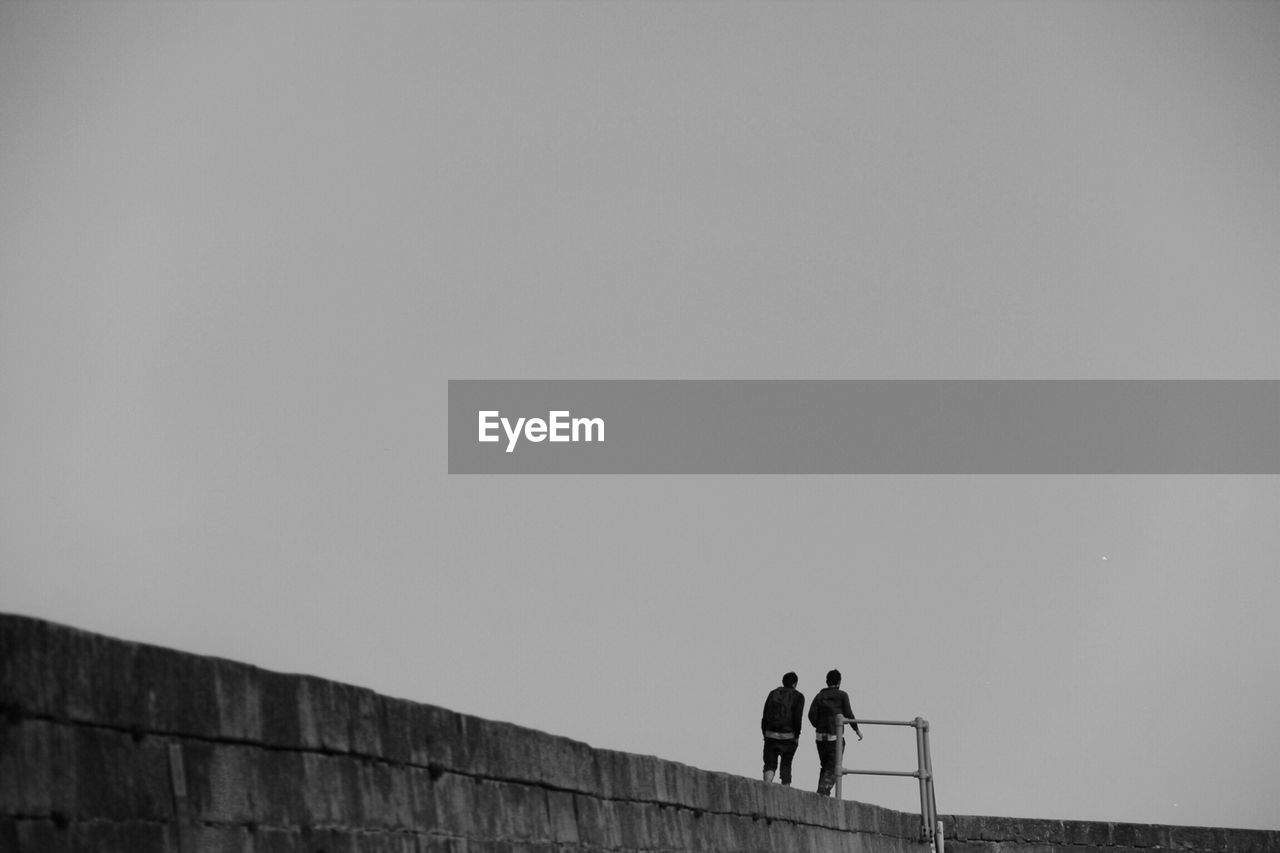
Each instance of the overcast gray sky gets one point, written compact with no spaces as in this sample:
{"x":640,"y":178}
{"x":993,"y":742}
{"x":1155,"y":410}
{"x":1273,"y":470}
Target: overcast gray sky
{"x":246,"y":245}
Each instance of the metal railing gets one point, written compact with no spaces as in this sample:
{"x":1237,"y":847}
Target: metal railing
{"x":930,"y":826}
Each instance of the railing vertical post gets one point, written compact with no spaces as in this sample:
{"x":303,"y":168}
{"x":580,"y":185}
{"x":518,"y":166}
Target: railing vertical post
{"x":933,"y":803}
{"x":839,"y":757}
{"x":925,"y":830}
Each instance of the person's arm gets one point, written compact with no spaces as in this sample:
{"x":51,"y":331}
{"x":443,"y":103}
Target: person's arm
{"x":797,"y":714}
{"x":848,"y":715}
{"x":763,"y":712}
{"x":813,"y":712}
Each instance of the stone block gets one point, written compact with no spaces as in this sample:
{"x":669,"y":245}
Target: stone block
{"x":26,"y":767}
{"x":671,"y":827}
{"x":642,"y":777}
{"x":490,"y":749}
{"x":743,"y":795}
{"x":1040,"y":831}
{"x":209,"y":838}
{"x":1086,"y":833}
{"x":675,"y":827}
{"x":788,"y":803}
{"x":705,"y":790}
{"x":606,"y":769}
{"x":846,"y":819}
{"x":25,"y":683}
{"x":99,"y":773}
{"x":279,"y":839}
{"x":1247,"y":841}
{"x":563,"y":821}
{"x":422,"y":803}
{"x":385,"y":795}
{"x":512,"y":811}
{"x":1004,"y":829}
{"x":805,"y":809}
{"x":1197,"y":838}
{"x":1037,"y":847}
{"x":1159,"y":836}
{"x":330,"y":790}
{"x":631,"y":822}
{"x":667,"y":782}
{"x":386,"y":842}
{"x":396,"y":732}
{"x":436,"y":739}
{"x":860,"y":842}
{"x":714,"y":832}
{"x":323,"y":710}
{"x":598,"y":826}
{"x":238,"y":694}
{"x":364,"y":722}
{"x":177,"y":692}
{"x":528,"y":755}
{"x":752,"y":834}
{"x":492,"y":821}
{"x":278,"y":702}
{"x":962,"y":827}
{"x":864,"y":817}
{"x":131,"y":686}
{"x":563,"y":763}
{"x":454,"y":804}
{"x":45,"y":836}
{"x":801,"y":838}
{"x":771,"y":801}
{"x":445,"y":844}
{"x":278,"y":795}
{"x":953,"y":846}
{"x":33,"y":835}
{"x":678,"y":783}
{"x":625,"y":776}
{"x":825,"y":812}
{"x":1131,"y":835}
{"x":767,"y":836}
{"x":330,"y":839}
{"x":122,"y":837}
{"x":82,"y":674}
{"x":222,"y":781}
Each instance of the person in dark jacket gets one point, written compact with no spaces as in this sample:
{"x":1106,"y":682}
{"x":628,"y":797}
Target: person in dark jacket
{"x":828,"y":707}
{"x":780,"y":726}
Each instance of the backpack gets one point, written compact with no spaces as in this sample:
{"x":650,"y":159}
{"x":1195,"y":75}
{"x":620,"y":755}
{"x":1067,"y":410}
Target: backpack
{"x":777,"y":711}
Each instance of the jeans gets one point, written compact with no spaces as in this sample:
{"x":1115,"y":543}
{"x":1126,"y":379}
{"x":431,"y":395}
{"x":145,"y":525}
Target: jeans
{"x":827,"y":755}
{"x":780,"y":752}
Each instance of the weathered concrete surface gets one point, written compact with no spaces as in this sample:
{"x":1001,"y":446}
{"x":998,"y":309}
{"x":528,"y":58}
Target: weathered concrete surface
{"x":108,"y":745}
{"x":966,"y":834}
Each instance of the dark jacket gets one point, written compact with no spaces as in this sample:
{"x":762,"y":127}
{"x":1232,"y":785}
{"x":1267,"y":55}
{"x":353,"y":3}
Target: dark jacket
{"x":795,"y":700}
{"x":827,"y":705}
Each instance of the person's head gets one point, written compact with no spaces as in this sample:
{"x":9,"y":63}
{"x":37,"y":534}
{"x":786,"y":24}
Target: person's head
{"x":833,"y":678}
{"x":789,"y":680}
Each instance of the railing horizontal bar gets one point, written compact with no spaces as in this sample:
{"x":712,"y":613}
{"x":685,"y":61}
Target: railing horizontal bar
{"x":880,"y":773}
{"x":862,"y":722}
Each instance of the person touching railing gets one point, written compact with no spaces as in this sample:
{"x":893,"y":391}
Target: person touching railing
{"x":828,"y":713}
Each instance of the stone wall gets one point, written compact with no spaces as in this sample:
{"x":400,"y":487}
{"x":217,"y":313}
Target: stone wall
{"x":108,"y":746}
{"x":968,"y":834}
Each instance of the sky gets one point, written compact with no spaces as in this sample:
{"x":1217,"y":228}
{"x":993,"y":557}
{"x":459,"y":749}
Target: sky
{"x":246,"y":245}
